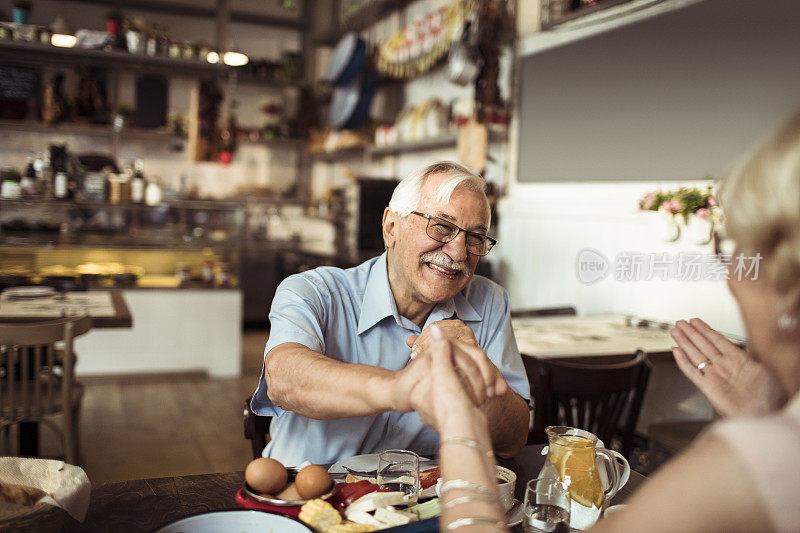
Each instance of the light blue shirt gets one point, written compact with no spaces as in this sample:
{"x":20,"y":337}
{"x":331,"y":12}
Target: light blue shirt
{"x":351,"y":316}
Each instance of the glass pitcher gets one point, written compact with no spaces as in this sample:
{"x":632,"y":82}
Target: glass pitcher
{"x":572,"y":456}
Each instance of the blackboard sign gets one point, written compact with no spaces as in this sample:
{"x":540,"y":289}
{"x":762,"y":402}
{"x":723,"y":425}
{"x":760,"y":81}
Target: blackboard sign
{"x":19,"y":83}
{"x":151,"y":101}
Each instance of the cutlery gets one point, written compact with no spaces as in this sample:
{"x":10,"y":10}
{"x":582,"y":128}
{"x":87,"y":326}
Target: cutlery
{"x":374,"y":472}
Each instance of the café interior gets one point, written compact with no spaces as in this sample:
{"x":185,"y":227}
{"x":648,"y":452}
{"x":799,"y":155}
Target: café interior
{"x":167,"y":164}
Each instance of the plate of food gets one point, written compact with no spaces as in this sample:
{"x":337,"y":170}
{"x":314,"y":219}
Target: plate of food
{"x":32,"y":291}
{"x":236,"y":520}
{"x":268,"y":481}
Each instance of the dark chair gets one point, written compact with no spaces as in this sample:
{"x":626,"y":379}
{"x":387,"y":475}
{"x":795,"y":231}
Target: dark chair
{"x":544,"y":311}
{"x":256,"y":429}
{"x":601,"y":397}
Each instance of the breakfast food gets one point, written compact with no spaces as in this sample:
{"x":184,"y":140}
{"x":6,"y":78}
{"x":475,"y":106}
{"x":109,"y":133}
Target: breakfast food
{"x":312,"y":481}
{"x":429,"y":477}
{"x":320,"y":515}
{"x":20,"y":494}
{"x":289,"y":493}
{"x":265,"y":475}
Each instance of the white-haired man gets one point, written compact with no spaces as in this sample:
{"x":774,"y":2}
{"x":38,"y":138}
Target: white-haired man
{"x":338,"y":373}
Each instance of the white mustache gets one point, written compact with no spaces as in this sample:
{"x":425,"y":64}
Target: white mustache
{"x":443,"y":260}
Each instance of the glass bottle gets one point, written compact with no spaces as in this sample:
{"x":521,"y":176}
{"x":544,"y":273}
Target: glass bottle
{"x":138,"y":182}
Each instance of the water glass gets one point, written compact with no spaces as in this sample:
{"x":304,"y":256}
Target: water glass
{"x":398,"y":471}
{"x":546,"y":506}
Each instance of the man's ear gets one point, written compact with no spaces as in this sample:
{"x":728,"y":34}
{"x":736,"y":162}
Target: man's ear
{"x":390,"y":224}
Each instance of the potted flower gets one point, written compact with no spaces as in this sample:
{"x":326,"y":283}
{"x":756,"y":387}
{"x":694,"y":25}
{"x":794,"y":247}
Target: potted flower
{"x":21,"y":11}
{"x":693,"y":208}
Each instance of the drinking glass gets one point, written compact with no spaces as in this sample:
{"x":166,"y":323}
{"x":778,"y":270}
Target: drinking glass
{"x":546,"y":506}
{"x":398,"y":471}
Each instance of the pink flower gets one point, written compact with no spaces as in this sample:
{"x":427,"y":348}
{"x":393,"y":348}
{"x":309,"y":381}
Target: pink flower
{"x":702,"y":213}
{"x":647,"y":201}
{"x":712,"y":201}
{"x":672,"y":206}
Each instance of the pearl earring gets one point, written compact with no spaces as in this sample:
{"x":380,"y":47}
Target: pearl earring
{"x":787,"y":322}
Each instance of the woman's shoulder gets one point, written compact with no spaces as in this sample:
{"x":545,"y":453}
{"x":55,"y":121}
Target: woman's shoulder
{"x":767,"y":448}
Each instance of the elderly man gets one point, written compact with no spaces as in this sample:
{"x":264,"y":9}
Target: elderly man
{"x":338,"y":372}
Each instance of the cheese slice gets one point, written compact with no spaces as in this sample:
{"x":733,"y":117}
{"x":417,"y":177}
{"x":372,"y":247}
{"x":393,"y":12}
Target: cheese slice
{"x":362,"y":517}
{"x":392,"y":517}
{"x":373,"y":500}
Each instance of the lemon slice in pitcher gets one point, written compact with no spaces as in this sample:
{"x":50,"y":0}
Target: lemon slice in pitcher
{"x":577,"y":467}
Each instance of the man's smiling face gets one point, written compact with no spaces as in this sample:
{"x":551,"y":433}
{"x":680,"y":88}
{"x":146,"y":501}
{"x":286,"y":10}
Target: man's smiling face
{"x":428,"y":271}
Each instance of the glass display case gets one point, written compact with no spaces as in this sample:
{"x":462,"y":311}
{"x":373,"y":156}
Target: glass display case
{"x":174,"y":244}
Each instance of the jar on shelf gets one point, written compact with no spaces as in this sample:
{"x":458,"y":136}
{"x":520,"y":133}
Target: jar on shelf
{"x":183,"y":273}
{"x":224,"y":275}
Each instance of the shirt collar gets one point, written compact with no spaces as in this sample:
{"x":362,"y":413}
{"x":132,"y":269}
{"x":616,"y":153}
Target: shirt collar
{"x":378,"y":302}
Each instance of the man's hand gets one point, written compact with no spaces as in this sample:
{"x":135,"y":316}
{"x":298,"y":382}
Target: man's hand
{"x":442,"y":392}
{"x":734,"y":382}
{"x":453,"y":330}
{"x":406,"y":380}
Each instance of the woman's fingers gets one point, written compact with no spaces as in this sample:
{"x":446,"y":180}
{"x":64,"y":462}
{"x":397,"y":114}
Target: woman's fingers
{"x":687,"y":367}
{"x":693,"y":354}
{"x":495,"y":383}
{"x":699,"y":340}
{"x":722,"y":343}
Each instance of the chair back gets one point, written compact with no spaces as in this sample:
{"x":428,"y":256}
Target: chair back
{"x":543,"y":311}
{"x":603,"y":398}
{"x":37,"y":370}
{"x":256,"y":429}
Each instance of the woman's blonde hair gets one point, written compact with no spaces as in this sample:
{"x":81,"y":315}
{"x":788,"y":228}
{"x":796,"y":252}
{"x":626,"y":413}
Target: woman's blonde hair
{"x":761,"y":201}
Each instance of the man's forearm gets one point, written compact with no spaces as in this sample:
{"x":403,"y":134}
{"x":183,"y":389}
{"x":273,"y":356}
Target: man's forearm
{"x":508,"y":423}
{"x":315,"y":386}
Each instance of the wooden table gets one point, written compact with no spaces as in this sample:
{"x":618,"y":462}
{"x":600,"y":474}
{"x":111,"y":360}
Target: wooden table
{"x":106,"y":307}
{"x":145,"y":504}
{"x":588,"y":336}
{"x":594,"y":336}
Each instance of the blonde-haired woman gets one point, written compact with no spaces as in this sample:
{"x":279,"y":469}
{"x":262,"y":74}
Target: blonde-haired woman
{"x":743,"y":474}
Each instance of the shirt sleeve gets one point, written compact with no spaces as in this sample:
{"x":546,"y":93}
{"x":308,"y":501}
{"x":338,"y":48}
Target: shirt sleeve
{"x":297,"y":315}
{"x":501,"y":345}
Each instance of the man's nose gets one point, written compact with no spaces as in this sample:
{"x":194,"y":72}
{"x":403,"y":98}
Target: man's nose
{"x":457,"y":248}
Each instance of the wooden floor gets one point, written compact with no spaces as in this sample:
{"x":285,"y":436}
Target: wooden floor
{"x":138,"y":428}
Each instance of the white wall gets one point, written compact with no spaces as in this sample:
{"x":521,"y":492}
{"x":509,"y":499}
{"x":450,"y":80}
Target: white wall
{"x":543,"y":228}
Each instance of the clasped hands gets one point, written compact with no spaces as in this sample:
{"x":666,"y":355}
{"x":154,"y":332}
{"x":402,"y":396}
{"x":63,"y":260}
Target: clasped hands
{"x":453,"y":344}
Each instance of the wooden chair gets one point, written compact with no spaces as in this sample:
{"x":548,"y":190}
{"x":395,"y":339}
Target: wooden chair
{"x":37,"y":377}
{"x":600,"y":397}
{"x":256,"y":429}
{"x":544,"y":311}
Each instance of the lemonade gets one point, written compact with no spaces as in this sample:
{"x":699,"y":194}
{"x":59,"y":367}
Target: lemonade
{"x":572,"y":459}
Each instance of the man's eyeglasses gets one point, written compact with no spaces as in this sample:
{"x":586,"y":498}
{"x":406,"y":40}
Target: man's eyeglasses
{"x":444,"y":231}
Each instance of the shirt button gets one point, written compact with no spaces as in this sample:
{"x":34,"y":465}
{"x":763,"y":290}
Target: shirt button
{"x":395,"y":428}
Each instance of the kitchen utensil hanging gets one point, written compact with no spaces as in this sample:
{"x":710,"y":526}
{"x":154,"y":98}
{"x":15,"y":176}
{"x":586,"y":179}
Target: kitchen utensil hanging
{"x":463,"y":61}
